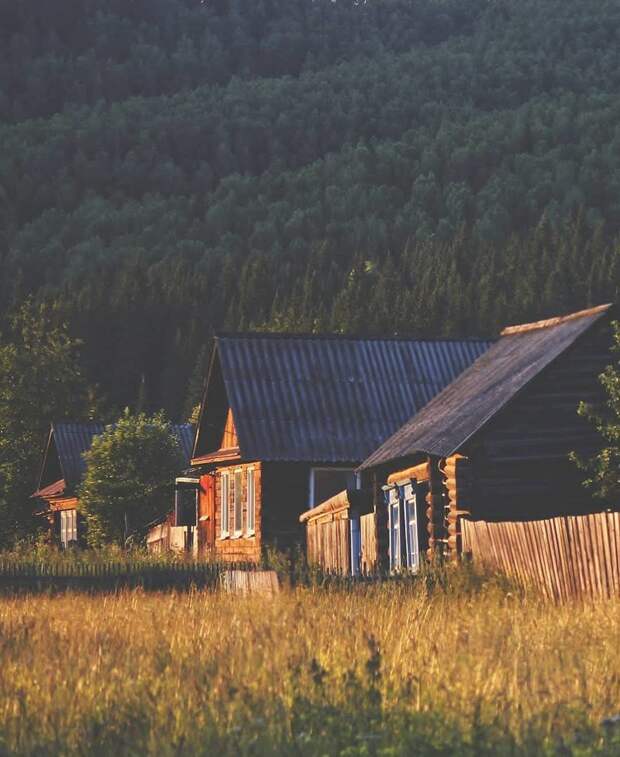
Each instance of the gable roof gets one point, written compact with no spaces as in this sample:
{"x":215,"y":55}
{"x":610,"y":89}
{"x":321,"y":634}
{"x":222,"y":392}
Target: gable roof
{"x":72,"y":440}
{"x":327,"y":398}
{"x":470,"y":401}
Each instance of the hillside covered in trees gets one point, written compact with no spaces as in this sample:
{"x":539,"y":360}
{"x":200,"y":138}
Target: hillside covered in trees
{"x":169,"y":168}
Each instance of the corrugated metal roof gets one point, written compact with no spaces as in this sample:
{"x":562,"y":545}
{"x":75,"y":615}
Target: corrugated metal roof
{"x":184,"y":433}
{"x":72,"y":440}
{"x":466,"y":405}
{"x":331,"y":399}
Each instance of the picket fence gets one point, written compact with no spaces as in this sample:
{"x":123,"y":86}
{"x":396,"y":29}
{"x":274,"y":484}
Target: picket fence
{"x":26,"y":576}
{"x":573,"y":557}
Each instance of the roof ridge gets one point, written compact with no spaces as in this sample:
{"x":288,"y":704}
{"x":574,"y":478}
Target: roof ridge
{"x":351,"y":337}
{"x":556,"y":321}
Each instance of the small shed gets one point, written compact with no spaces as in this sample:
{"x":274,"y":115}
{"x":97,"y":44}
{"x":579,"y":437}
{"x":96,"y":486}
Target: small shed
{"x":341,"y":534}
{"x":494,"y":445}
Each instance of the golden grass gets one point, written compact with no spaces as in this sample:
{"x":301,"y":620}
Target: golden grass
{"x":373,"y":670}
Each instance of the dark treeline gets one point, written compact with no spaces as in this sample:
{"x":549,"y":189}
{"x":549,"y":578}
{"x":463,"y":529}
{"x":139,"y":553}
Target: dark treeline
{"x":82,"y":51}
{"x":384,"y":166}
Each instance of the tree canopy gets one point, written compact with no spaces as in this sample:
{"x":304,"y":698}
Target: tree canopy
{"x":172,"y":168}
{"x":40,"y":382}
{"x":129,"y":478}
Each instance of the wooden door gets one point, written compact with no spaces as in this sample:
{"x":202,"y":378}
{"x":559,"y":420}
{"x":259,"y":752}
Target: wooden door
{"x":206,"y":513}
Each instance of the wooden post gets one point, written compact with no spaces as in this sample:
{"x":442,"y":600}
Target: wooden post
{"x":458,"y":485}
{"x":435,"y":500}
{"x":458,"y":502}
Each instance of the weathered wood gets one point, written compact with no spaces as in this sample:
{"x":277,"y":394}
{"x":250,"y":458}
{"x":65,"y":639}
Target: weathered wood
{"x":420,"y":472}
{"x":522,"y":328}
{"x":565,"y":558}
{"x":250,"y":582}
{"x":368,"y":533}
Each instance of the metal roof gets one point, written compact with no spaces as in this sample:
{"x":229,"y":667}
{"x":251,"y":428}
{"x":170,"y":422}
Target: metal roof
{"x":184,"y":433}
{"x":72,"y":440}
{"x":331,"y":399}
{"x":469,"y":402}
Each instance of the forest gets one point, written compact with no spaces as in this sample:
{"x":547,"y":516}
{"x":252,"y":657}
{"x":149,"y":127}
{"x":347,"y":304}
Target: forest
{"x":174,"y":168}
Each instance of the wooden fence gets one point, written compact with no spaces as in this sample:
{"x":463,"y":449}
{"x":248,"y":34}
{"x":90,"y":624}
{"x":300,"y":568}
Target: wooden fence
{"x":26,"y":576}
{"x":565,"y":558}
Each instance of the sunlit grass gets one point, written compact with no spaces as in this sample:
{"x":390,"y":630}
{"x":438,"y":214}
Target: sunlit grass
{"x":387,"y":669}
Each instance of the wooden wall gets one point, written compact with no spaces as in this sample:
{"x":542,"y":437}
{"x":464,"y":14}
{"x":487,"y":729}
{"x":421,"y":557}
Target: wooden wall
{"x":329,"y":542}
{"x":285,"y":493}
{"x":243,"y":548}
{"x":520,"y":464}
{"x":369,"y":562}
{"x":575,"y":557}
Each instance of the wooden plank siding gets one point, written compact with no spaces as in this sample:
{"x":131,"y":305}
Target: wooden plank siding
{"x":329,"y":543}
{"x":238,"y":547}
{"x":569,"y":557}
{"x":369,"y":561}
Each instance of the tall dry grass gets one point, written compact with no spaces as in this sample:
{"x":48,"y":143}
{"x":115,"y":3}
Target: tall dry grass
{"x":386,"y":670}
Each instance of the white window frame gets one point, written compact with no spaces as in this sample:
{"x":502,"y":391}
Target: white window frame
{"x":237,"y":500}
{"x":68,"y":531}
{"x":395,"y":527}
{"x":250,"y":524}
{"x":319,"y":469}
{"x":410,"y":514}
{"x":224,"y":504}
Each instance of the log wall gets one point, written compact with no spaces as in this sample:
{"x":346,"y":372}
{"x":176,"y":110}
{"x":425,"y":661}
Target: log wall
{"x":572,"y":557}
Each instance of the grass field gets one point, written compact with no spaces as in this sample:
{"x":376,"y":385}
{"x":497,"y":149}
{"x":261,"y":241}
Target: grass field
{"x":371,"y":670}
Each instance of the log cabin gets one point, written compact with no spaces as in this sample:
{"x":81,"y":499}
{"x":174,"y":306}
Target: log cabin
{"x":286,"y":419}
{"x":61,"y":473}
{"x":494,"y":445}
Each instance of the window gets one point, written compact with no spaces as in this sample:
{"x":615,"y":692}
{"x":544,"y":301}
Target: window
{"x":402,"y":507}
{"x":68,"y":527}
{"x":393,"y":498}
{"x":251,"y":499}
{"x":225,"y":505}
{"x":410,"y":496}
{"x":238,"y":501}
{"x":325,"y":482}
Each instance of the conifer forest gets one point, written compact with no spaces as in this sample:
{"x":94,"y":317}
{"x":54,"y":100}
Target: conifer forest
{"x":174,"y":168}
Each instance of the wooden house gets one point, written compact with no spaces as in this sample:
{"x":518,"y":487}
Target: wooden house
{"x":62,"y":469}
{"x":495,"y":444}
{"x":285,"y":421}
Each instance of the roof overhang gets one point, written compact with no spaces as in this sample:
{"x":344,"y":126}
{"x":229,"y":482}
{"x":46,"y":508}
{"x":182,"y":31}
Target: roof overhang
{"x":52,"y":490}
{"x":357,"y":499}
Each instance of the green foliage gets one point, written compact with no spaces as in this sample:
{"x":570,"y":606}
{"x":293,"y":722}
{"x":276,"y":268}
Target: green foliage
{"x":129,"y":477}
{"x":40,"y":382}
{"x":437,"y":167}
{"x":604,"y":468}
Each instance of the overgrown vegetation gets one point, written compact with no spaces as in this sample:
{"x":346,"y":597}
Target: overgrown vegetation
{"x":390,"y":670}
